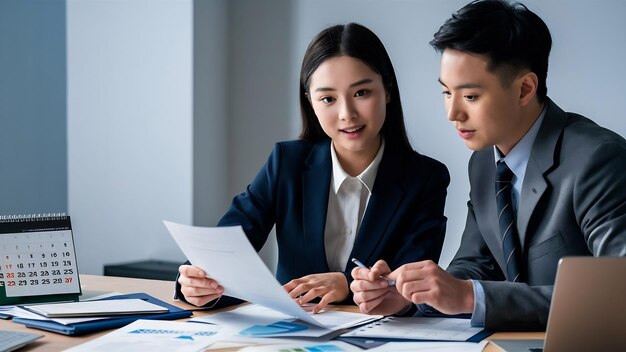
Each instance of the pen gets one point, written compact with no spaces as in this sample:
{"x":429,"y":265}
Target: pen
{"x":358,"y":263}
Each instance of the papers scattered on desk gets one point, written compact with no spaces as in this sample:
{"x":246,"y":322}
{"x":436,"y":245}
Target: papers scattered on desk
{"x":331,"y":346}
{"x":257,"y":321}
{"x":338,"y":346}
{"x":18,"y":312}
{"x":154,"y":335}
{"x":95,"y":308}
{"x":431,"y":347}
{"x":227,"y":256}
{"x":418,"y":328}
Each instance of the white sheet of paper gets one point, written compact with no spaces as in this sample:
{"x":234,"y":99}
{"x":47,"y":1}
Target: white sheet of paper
{"x":330,"y":346}
{"x":23,"y":313}
{"x":431,"y":347}
{"x":251,"y":315}
{"x":338,"y":346}
{"x":418,"y":328}
{"x":96,"y":308}
{"x":154,"y":335}
{"x":227,"y":256}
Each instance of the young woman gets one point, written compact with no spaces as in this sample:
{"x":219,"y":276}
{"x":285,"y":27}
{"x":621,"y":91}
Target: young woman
{"x":351,"y":186}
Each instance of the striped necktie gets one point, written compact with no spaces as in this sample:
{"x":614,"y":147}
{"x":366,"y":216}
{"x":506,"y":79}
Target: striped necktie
{"x":506,"y":218}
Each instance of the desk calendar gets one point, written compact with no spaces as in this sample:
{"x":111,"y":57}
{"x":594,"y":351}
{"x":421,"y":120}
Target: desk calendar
{"x":37,"y":259}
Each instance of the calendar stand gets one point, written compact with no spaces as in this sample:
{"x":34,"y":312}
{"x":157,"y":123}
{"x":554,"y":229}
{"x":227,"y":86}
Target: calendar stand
{"x":37,"y":259}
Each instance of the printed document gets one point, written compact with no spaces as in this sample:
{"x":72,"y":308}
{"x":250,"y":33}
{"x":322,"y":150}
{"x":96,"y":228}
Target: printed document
{"x":431,"y":347}
{"x":227,"y":256}
{"x":418,"y":328}
{"x":23,"y":313}
{"x":305,"y":346}
{"x":96,"y":308}
{"x":338,"y":346}
{"x":257,"y":321}
{"x":154,"y":335}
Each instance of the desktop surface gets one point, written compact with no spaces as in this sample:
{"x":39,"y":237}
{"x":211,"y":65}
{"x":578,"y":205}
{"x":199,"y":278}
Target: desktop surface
{"x":163,"y":290}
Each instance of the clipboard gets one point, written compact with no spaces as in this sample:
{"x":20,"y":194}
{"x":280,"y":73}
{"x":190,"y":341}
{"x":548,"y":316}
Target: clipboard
{"x":398,"y":329}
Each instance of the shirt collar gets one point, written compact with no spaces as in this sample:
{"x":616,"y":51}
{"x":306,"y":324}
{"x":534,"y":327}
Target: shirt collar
{"x":517,"y":159}
{"x":367,"y":177}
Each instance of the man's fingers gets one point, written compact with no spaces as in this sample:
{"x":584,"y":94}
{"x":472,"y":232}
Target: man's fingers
{"x":368,"y":306}
{"x":360,"y":273}
{"x":369,"y":295}
{"x":380,"y":268}
{"x":365,"y":285}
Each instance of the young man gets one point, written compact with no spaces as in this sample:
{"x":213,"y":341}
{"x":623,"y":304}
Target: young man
{"x":544,"y":183}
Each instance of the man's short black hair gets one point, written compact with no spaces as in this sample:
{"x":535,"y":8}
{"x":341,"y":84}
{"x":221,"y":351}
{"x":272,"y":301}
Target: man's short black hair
{"x":511,"y":36}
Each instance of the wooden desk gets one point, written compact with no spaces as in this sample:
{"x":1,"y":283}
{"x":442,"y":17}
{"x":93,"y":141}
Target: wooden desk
{"x":162,"y":290}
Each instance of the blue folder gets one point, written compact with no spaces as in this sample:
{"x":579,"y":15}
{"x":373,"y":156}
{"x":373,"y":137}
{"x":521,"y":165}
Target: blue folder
{"x":107,"y":323}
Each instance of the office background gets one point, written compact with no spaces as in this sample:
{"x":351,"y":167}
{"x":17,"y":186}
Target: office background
{"x":125,"y":113}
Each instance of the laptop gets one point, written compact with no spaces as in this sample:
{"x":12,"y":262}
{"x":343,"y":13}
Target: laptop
{"x":12,"y":340}
{"x":587,"y":311}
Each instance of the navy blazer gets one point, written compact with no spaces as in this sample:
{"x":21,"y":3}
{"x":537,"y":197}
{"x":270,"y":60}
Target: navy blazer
{"x":403,"y":222}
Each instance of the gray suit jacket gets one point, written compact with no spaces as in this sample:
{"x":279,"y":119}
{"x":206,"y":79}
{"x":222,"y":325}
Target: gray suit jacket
{"x":572,"y":202}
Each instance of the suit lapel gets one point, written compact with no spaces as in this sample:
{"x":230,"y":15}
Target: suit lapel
{"x":315,"y":188}
{"x":386,"y":196}
{"x":483,"y":196}
{"x":542,"y":158}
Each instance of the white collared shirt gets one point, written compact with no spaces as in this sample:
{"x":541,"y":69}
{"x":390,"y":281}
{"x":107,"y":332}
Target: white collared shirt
{"x":347,"y":200}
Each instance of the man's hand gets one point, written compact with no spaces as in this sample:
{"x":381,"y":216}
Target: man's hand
{"x":373,"y":294}
{"x":426,"y":282}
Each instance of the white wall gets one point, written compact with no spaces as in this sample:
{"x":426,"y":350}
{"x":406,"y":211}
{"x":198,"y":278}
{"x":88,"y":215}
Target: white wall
{"x":210,"y":111}
{"x":259,"y":86}
{"x":129,"y":127}
{"x":260,"y":37}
